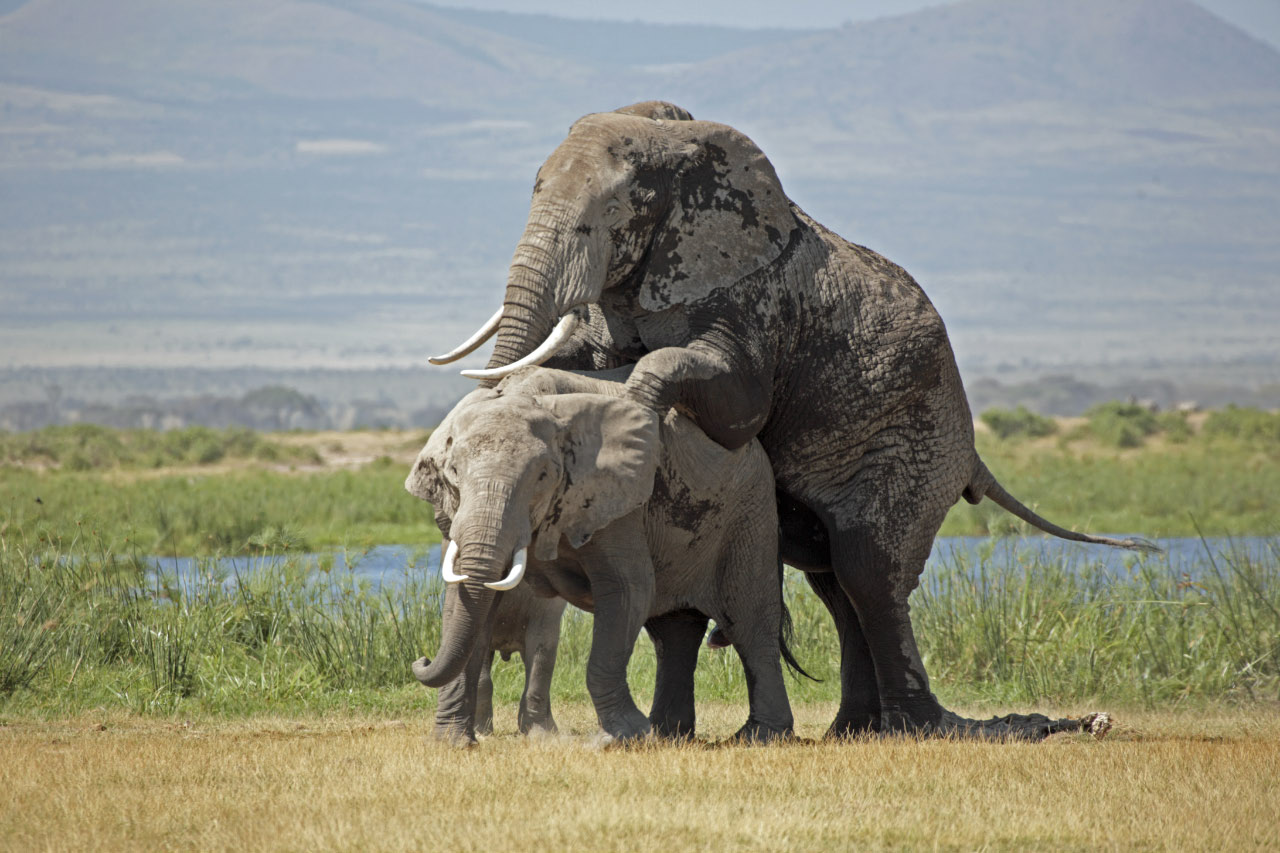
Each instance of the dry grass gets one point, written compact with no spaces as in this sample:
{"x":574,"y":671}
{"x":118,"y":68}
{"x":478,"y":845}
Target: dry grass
{"x":1161,"y":781}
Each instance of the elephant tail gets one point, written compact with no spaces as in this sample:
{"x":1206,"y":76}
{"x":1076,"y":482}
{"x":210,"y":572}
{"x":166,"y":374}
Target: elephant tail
{"x":984,"y":484}
{"x":786,"y":633}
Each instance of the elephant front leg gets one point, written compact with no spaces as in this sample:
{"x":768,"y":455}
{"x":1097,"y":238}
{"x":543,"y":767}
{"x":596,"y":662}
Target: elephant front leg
{"x":622,"y":600}
{"x":730,"y":403}
{"x":676,"y":640}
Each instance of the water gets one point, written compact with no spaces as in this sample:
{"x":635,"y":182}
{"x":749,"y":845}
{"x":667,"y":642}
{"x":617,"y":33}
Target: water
{"x":392,"y":565}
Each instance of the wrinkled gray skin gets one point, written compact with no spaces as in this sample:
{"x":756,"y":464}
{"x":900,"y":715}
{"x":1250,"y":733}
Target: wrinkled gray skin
{"x":674,"y":240}
{"x":523,"y":624}
{"x":644,"y":521}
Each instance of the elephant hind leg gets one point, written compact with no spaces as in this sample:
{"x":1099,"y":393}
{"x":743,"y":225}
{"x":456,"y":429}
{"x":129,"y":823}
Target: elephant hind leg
{"x":859,"y":695}
{"x":542,"y":642}
{"x":770,"y":717}
{"x":676,"y":638}
{"x":878,"y":583}
{"x":484,"y":694}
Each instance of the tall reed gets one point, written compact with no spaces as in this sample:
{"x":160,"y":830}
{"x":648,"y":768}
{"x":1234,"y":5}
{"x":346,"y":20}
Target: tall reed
{"x":85,"y":626}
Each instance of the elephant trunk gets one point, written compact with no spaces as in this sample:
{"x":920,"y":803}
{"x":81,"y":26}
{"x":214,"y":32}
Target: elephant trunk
{"x":484,"y":541}
{"x":468,"y":608}
{"x":554,"y":271}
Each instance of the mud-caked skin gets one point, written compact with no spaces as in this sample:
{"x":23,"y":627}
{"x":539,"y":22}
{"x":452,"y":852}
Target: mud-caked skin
{"x":523,"y":624}
{"x":639,"y":518}
{"x":674,"y":241}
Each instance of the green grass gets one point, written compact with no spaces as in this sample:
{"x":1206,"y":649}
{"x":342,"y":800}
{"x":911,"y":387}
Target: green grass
{"x":231,"y":512}
{"x":1223,"y":480}
{"x":83,"y":628}
{"x":85,"y":447}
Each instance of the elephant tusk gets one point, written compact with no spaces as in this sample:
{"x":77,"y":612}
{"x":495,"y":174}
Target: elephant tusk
{"x":560,"y":334}
{"x":472,"y":343}
{"x":446,"y":567}
{"x":512,"y":580}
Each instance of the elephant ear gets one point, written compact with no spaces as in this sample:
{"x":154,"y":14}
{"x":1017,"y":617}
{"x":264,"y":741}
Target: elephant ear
{"x":729,"y":217}
{"x":610,"y":452}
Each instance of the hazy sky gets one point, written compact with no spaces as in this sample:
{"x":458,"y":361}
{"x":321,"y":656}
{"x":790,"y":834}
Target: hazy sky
{"x":1261,"y":18}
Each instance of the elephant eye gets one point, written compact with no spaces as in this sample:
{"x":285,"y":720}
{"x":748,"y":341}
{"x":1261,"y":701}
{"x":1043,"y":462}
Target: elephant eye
{"x":611,"y":207}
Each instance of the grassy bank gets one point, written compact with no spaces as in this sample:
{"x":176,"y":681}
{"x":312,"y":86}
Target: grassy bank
{"x":212,"y":512}
{"x":83,"y":627}
{"x":1125,"y":469}
{"x":206,"y":491}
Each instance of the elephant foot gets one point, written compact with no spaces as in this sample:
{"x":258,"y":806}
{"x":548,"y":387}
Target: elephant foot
{"x":539,"y":727}
{"x":671,"y":731}
{"x":1010,"y":727}
{"x":625,"y":728}
{"x":454,"y":736}
{"x":755,"y":732}
{"x":844,"y":727}
{"x":673,"y":723}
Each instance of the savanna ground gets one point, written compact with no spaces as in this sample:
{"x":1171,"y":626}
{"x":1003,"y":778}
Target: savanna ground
{"x":273,"y":708}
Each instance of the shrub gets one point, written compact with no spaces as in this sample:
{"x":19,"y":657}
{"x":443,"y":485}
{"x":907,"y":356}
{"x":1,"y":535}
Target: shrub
{"x":1019,"y":422}
{"x":1175,"y":426}
{"x":1121,"y":424}
{"x":83,"y":447}
{"x":1247,"y":424}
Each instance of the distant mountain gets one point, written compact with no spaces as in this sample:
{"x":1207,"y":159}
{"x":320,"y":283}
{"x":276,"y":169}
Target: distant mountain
{"x":984,"y":53}
{"x":200,"y":50}
{"x":616,"y":45}
{"x":340,"y":183}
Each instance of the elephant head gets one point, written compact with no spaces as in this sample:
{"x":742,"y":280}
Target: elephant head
{"x":507,"y":472}
{"x":646,"y":199}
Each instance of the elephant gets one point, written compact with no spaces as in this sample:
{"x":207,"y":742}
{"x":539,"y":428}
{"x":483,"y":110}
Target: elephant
{"x":522,"y":623}
{"x":668,"y":244}
{"x":559,"y":483}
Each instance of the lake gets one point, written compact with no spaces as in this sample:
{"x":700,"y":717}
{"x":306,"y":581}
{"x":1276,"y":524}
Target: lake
{"x":390,"y":565}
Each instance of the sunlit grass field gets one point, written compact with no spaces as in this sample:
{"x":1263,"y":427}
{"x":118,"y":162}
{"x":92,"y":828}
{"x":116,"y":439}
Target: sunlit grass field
{"x":1160,"y":781}
{"x":274,"y":707}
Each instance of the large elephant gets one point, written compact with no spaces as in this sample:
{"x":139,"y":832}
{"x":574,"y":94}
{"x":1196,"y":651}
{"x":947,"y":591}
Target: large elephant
{"x":675,"y":243}
{"x":522,"y":624}
{"x":560,"y":482}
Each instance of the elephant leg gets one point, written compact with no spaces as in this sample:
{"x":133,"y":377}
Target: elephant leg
{"x":542,"y":641}
{"x":770,"y":717}
{"x":859,"y":694}
{"x":621,"y":579}
{"x":878,"y":583}
{"x":456,"y":704}
{"x":484,"y":695}
{"x":676,"y":638}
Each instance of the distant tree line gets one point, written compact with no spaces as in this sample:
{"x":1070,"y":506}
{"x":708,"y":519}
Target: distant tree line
{"x":274,"y":407}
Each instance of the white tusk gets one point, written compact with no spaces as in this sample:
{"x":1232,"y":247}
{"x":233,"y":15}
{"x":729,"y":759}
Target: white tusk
{"x":558,"y":336}
{"x":512,"y":580}
{"x":446,"y":568}
{"x":472,"y":343}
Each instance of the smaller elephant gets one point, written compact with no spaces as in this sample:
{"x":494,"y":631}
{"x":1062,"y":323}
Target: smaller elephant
{"x":556,"y":482}
{"x":522,"y":623}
